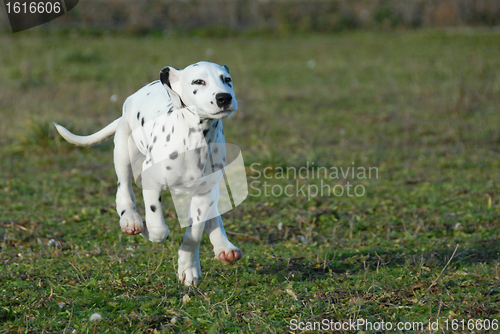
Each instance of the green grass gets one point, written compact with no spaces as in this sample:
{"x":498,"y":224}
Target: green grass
{"x":422,"y":243}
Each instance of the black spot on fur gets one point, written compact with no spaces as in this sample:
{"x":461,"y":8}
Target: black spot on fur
{"x":199,"y":211}
{"x":212,"y":102}
{"x":191,"y":130}
{"x":203,"y":184}
{"x":195,"y":91}
{"x":159,"y":199}
{"x":205,"y":132}
{"x":168,"y":137}
{"x":163,"y":129}
{"x":119,"y":184}
{"x":201,"y":165}
{"x":211,"y":203}
{"x":170,"y":110}
{"x":154,"y":141}
{"x":173,"y":129}
{"x":153,"y":208}
{"x":123,"y":212}
{"x":148,"y":93}
{"x":142,"y":122}
{"x":190,"y":221}
{"x":215,"y":149}
{"x":169,"y":168}
{"x":138,"y":115}
{"x":173,"y":155}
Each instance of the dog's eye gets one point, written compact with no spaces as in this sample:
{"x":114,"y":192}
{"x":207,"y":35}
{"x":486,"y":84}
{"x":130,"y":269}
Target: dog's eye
{"x":227,"y":80}
{"x":198,"y":82}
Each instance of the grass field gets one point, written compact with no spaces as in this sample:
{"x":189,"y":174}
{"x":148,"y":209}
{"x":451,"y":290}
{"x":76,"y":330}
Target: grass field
{"x":421,"y":245}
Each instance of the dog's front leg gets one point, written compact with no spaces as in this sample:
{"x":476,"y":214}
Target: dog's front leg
{"x":224,"y":250}
{"x":155,"y":228}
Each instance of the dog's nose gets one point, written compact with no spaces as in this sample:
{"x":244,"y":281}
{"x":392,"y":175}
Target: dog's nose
{"x":223,"y":99}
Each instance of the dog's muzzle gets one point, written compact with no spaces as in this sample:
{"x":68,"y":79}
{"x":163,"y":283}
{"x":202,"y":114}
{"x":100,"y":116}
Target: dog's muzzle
{"x":223,"y":100}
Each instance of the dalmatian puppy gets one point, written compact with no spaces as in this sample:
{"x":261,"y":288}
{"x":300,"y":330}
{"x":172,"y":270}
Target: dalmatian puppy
{"x":163,"y":139}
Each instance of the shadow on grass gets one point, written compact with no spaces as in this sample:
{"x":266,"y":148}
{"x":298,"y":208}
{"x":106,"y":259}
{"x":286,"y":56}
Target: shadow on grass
{"x":354,"y":262}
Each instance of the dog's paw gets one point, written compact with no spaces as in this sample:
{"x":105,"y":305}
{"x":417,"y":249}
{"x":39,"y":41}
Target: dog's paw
{"x":157,"y":233}
{"x":131,"y":223}
{"x":189,"y":271}
{"x":230,"y":256}
{"x":226,"y":252}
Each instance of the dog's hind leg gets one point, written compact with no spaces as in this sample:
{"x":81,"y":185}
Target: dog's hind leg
{"x":130,"y":221}
{"x":189,"y":270}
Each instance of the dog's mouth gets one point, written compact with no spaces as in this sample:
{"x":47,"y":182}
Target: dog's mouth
{"x":224,"y":112}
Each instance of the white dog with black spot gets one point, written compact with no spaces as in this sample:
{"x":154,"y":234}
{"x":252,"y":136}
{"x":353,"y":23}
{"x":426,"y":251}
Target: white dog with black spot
{"x":161,"y":139}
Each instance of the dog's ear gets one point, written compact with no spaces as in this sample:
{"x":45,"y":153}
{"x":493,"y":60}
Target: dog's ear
{"x":169,"y":75}
{"x":226,"y":68}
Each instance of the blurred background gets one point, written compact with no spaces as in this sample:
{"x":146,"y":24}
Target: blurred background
{"x":230,"y":17}
{"x":291,"y":60}
{"x":409,"y":87}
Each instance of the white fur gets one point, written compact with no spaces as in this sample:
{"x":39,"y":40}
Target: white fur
{"x":161,"y":143}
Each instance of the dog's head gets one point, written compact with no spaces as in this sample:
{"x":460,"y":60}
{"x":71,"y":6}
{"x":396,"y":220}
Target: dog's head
{"x":205,"y":85}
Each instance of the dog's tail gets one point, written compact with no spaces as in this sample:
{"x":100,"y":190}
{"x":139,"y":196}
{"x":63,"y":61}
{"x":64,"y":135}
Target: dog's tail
{"x":88,"y":140}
